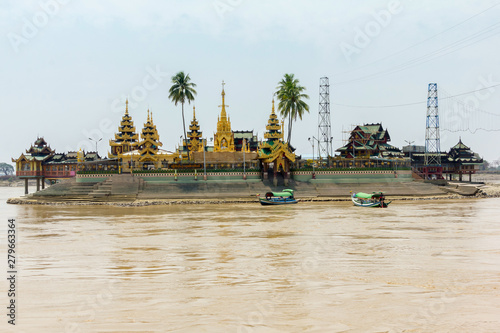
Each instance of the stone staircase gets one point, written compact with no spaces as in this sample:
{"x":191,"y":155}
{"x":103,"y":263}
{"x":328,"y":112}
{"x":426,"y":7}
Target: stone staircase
{"x":82,"y":189}
{"x":102,"y":189}
{"x":118,"y":187}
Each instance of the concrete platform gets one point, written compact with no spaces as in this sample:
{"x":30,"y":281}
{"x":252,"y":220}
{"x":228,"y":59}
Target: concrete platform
{"x":119,"y":188}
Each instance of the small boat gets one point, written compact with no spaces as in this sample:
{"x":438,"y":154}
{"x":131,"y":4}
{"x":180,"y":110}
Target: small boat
{"x":278,"y":198}
{"x":377,"y":199}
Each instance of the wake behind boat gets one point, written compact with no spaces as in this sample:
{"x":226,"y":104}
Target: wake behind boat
{"x":377,"y":199}
{"x":278,"y":198}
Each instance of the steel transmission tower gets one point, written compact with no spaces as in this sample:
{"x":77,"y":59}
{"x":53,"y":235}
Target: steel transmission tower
{"x":432,"y":139}
{"x":324,"y":126}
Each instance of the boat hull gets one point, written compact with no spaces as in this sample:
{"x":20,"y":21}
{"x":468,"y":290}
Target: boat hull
{"x":274,"y":202}
{"x":369,"y":203}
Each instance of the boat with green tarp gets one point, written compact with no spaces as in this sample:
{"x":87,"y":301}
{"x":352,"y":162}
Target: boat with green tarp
{"x":278,"y":198}
{"x":376,"y":199}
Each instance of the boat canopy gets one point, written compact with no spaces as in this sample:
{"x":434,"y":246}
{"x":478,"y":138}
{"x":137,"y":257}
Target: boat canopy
{"x":284,"y":194}
{"x":362,"y":195}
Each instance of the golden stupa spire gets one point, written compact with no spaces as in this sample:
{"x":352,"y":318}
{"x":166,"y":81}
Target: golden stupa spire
{"x":273,"y":107}
{"x":151,"y":116}
{"x":223,"y":114}
{"x":194,"y":112}
{"x":126,"y":107}
{"x":149,"y":119}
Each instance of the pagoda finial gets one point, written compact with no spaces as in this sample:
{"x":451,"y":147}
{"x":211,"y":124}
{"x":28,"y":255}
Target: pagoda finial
{"x":194,"y":112}
{"x":126,"y":107}
{"x":149,"y":119}
{"x":223,"y":111}
{"x":151,"y":115}
{"x":273,"y":106}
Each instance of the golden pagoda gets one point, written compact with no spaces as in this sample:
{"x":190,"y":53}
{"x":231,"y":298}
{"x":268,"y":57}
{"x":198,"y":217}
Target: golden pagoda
{"x":224,"y":138}
{"x":274,"y":149}
{"x":195,"y":142}
{"x":148,"y":147}
{"x":126,"y":138}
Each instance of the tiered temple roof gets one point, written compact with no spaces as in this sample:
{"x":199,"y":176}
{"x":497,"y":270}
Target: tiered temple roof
{"x":40,"y":149}
{"x":462,"y":154}
{"x":126,"y":139}
{"x":274,"y":149}
{"x":195,"y":141}
{"x":150,"y":143}
{"x":369,"y":140}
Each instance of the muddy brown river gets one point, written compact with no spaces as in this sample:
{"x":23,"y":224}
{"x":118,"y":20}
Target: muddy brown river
{"x":418,"y":266}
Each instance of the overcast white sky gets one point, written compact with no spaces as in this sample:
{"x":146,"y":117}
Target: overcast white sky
{"x":67,"y":66}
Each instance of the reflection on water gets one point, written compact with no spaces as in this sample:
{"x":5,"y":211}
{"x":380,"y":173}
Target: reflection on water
{"x":325,"y":267}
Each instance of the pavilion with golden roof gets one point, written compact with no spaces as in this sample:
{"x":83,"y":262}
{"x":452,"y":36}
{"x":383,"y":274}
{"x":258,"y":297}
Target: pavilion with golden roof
{"x":274,"y":152}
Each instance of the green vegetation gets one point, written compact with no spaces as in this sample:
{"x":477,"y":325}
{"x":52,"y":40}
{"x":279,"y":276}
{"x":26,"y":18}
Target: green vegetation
{"x":6,"y":169}
{"x":199,"y":171}
{"x":290,"y":96}
{"x":182,"y":90}
{"x":493,"y":166}
{"x":351,"y":169}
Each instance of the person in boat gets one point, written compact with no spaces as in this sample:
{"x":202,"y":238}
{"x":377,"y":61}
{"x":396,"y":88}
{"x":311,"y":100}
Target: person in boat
{"x":381,"y":200}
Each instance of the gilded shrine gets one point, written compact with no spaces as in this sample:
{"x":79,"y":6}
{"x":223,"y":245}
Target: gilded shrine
{"x":274,"y":153}
{"x":224,"y":137}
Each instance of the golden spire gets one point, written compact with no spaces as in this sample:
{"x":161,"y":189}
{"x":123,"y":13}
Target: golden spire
{"x":148,"y":117}
{"x":223,"y":114}
{"x":273,"y":106}
{"x":194,"y":112}
{"x":151,"y":116}
{"x":126,"y":107}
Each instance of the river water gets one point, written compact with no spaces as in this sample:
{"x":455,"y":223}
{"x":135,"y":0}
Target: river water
{"x":418,"y":266}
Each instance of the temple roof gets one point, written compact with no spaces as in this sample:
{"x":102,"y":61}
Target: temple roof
{"x":460,"y":145}
{"x":372,"y":131}
{"x":40,"y":142}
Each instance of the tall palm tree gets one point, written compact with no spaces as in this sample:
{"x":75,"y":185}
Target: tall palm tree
{"x":181,"y":91}
{"x":290,"y":96}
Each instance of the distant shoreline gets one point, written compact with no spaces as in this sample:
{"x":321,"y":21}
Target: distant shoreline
{"x":333,"y":193}
{"x":170,"y":202}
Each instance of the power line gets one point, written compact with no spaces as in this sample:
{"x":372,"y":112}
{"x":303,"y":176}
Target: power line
{"x":471,"y":131}
{"x":414,"y":103}
{"x":431,"y":56}
{"x":421,"y":42}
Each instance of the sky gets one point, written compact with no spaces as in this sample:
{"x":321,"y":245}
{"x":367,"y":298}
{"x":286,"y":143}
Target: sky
{"x":67,"y":67}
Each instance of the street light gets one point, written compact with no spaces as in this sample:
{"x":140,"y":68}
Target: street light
{"x":204,"y":160}
{"x":312,"y":142}
{"x":331,"y":151}
{"x":244,"y":160}
{"x":409,"y":143}
{"x":96,"y":141}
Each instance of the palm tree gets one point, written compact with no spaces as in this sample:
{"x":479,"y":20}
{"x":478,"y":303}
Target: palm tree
{"x":290,"y":96}
{"x":182,"y":91}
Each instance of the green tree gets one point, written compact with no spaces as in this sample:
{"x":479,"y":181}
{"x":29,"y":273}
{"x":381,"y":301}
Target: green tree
{"x":181,"y":91}
{"x":291,"y":100}
{"x":7,"y":169}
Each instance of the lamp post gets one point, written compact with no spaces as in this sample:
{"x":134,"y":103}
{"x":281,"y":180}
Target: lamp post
{"x":312,"y":143}
{"x":96,"y":154}
{"x":96,"y":141}
{"x":204,"y":160}
{"x":244,"y":159}
{"x":409,"y":144}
